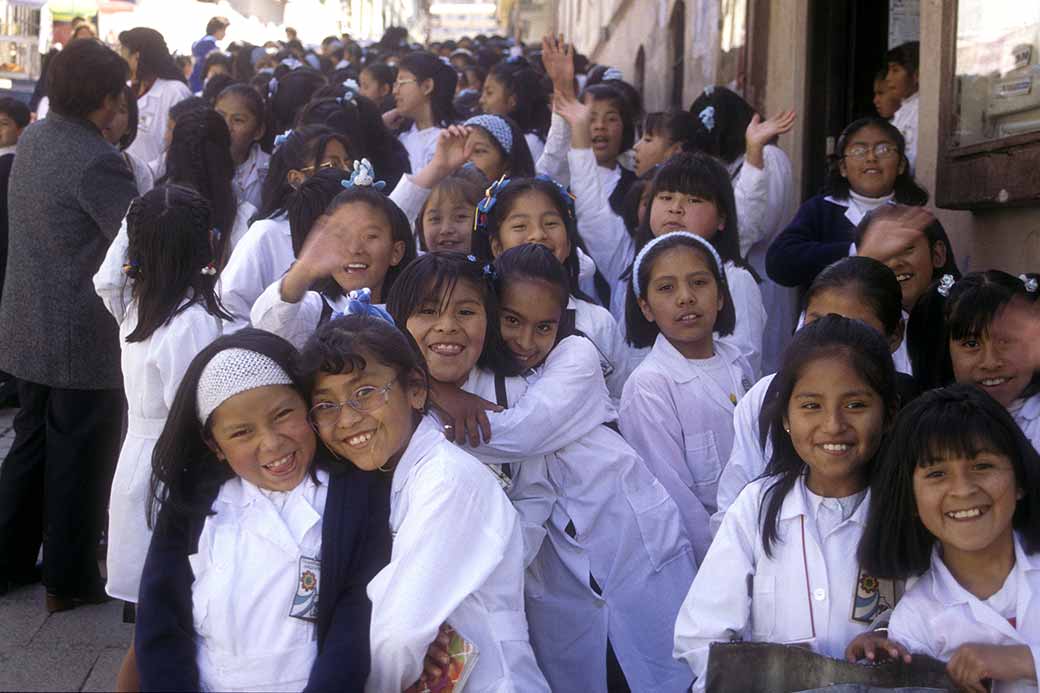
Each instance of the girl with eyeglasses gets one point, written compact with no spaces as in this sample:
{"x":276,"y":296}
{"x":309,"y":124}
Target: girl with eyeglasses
{"x":870,"y":170}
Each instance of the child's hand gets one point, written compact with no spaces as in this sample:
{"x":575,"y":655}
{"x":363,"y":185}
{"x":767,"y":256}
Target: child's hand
{"x":973,"y":664}
{"x":392,"y":119}
{"x":322,"y":254}
{"x":891,"y":236}
{"x":875,"y":646}
{"x":578,"y":116}
{"x":760,"y":132}
{"x":437,"y":657}
{"x":558,"y":60}
{"x":466,"y":420}
{"x":453,"y":150}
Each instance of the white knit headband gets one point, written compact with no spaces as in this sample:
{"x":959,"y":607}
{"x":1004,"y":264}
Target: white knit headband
{"x":232,"y":372}
{"x":496,"y":127}
{"x":684,"y":234}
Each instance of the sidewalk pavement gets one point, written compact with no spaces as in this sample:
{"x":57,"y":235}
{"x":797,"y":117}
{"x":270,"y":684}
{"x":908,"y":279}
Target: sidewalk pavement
{"x":78,"y":650}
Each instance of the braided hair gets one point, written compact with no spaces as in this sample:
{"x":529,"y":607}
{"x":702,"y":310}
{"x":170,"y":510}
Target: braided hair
{"x":200,"y":158}
{"x":169,"y":229}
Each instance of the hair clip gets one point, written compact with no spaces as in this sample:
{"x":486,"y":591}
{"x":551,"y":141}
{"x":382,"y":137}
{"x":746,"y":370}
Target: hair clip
{"x":707,"y":117}
{"x":612,"y":74}
{"x":1030,"y":282}
{"x":281,"y":139}
{"x":130,"y":269}
{"x":490,"y":273}
{"x":709,"y":90}
{"x":214,"y":233}
{"x":209,"y":270}
{"x":364,"y":176}
{"x":272,"y":87}
{"x":352,"y":85}
{"x":567,"y":195}
{"x":945,"y":284}
{"x":485,"y":206}
{"x":471,"y":258}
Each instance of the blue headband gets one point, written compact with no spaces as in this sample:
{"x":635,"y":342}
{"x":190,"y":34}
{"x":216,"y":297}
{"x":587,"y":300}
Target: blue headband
{"x":683,"y":234}
{"x":359,"y":302}
{"x":497,"y":127}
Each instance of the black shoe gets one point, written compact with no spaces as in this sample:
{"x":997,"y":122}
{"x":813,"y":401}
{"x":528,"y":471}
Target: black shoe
{"x":56,"y":602}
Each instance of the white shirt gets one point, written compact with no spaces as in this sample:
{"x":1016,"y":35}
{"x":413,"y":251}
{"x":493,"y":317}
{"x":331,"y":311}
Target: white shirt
{"x":1027,"y":415}
{"x":421,"y":145}
{"x":680,"y":421}
{"x":750,"y":327}
{"x":248,"y":182}
{"x":153,"y":111}
{"x":536,"y":144}
{"x":596,"y":323}
{"x":937,"y":615}
{"x":243,"y":213}
{"x":263,"y":255}
{"x":142,"y":174}
{"x":906,"y":121}
{"x":457,"y":557}
{"x":294,"y":322}
{"x":247,"y":572}
{"x":805,"y":593}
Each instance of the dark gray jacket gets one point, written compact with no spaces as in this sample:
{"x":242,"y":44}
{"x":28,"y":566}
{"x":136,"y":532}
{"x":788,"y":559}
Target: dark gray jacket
{"x":68,"y":194}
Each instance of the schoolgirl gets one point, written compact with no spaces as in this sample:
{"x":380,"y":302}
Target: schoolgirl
{"x":514,"y":89}
{"x":457,"y":546}
{"x":692,"y":192}
{"x":158,"y":282}
{"x":727,"y":127}
{"x":537,"y":210}
{"x":902,"y":79}
{"x":376,"y":83}
{"x":245,"y":113}
{"x":290,"y":93}
{"x":253,"y":524}
{"x":498,"y":148}
{"x":779,"y":569}
{"x":856,"y":288}
{"x":870,"y":170}
{"x":664,"y":134}
{"x":200,"y":158}
{"x":445,"y":221}
{"x":956,"y":501}
{"x":265,"y":252}
{"x":566,"y":402}
{"x":957,"y":333}
{"x":677,"y":406}
{"x":363,"y":242}
{"x":423,"y":93}
{"x":158,"y":84}
{"x":121,"y":134}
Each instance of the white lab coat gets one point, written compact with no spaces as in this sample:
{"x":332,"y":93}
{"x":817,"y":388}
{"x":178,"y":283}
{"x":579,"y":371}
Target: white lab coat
{"x":536,"y":144}
{"x":937,"y":615}
{"x":627,"y":533}
{"x":765,"y":205}
{"x":142,"y":174}
{"x":805,"y":593}
{"x":152,"y":372}
{"x":247,"y":570}
{"x":681,"y":422}
{"x":457,"y":557}
{"x":240,"y":226}
{"x":153,"y":112}
{"x":294,"y":322}
{"x":248,"y":182}
{"x":750,"y":327}
{"x":552,"y":161}
{"x":1027,"y":416}
{"x":905,"y":121}
{"x":263,"y":255}
{"x":596,"y":323}
{"x":421,"y":145}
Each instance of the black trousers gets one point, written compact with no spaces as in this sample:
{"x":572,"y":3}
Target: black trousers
{"x":57,"y":477}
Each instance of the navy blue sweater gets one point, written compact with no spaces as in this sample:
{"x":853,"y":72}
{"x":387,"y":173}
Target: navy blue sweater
{"x":818,"y":235}
{"x":355,"y":545}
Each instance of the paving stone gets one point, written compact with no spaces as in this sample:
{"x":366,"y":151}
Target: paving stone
{"x":50,"y":666}
{"x":103,"y":675}
{"x":99,"y":625}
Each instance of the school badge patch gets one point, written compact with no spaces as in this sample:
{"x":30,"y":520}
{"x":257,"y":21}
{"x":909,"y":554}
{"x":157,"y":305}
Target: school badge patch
{"x":873,"y":597}
{"x":305,"y":601}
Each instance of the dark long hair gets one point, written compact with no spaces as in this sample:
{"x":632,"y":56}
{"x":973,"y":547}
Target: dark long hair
{"x":154,"y":61}
{"x":906,"y":190}
{"x":304,"y":147}
{"x":866,"y":352}
{"x":437,"y":274}
{"x":956,"y":421}
{"x":132,"y":118}
{"x":533,"y":261}
{"x":675,"y":124}
{"x":186,"y":474}
{"x":875,"y":286}
{"x":607,"y":91}
{"x":725,"y":138}
{"x":256,"y":105}
{"x":518,"y":161}
{"x":527,"y":86}
{"x":168,"y":229}
{"x":428,"y":66}
{"x":200,"y":158}
{"x":294,"y":90}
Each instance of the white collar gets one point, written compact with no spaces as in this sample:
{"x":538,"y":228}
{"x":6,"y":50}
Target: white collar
{"x":946,"y":589}
{"x":679,"y":367}
{"x":798,"y":503}
{"x":425,"y":437}
{"x":4,"y":151}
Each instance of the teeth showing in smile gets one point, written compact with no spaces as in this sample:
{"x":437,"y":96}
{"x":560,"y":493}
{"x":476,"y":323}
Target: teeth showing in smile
{"x":279,"y":463}
{"x":357,"y":267}
{"x":993,"y":382}
{"x":965,"y":514}
{"x":903,"y":277}
{"x":446,"y":349}
{"x":360,"y":439}
{"x":689,"y":318}
{"x":836,"y":447}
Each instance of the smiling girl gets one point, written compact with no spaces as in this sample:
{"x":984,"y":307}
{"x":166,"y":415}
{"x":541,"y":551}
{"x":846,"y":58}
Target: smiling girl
{"x":778,"y":569}
{"x":423,"y":93}
{"x":245,"y":113}
{"x":957,"y":503}
{"x":498,"y":147}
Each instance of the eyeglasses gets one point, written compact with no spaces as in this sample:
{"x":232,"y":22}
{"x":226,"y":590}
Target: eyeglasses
{"x":882,"y":150}
{"x":331,"y":163}
{"x":402,"y":82}
{"x":365,"y":399}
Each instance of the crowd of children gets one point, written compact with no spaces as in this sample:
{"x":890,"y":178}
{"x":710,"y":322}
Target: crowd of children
{"x":465,"y":342}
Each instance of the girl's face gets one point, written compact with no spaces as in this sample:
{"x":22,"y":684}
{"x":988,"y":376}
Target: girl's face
{"x":369,"y":248}
{"x":886,"y":102}
{"x":530,"y":318}
{"x":849,"y":304}
{"x":372,"y":88}
{"x":901,"y":81}
{"x":496,"y":99}
{"x":264,"y":436}
{"x":377,"y":435}
{"x":908,"y":255}
{"x":835,"y":421}
{"x":868,"y":173}
{"x":683,"y":299}
{"x":115,"y":130}
{"x":967,"y":503}
{"x":447,"y":224}
{"x":991,"y":363}
{"x":334,"y":156}
{"x":243,"y":124}
{"x":533,"y":218}
{"x":651,"y":150}
{"x":450,"y":331}
{"x":486,"y":154}
{"x":606,"y":128}
{"x":675,"y":211}
{"x":411,"y":95}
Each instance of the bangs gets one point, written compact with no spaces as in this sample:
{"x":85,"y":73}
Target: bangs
{"x":692,"y":177}
{"x":971,"y":315}
{"x":957,"y":430}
